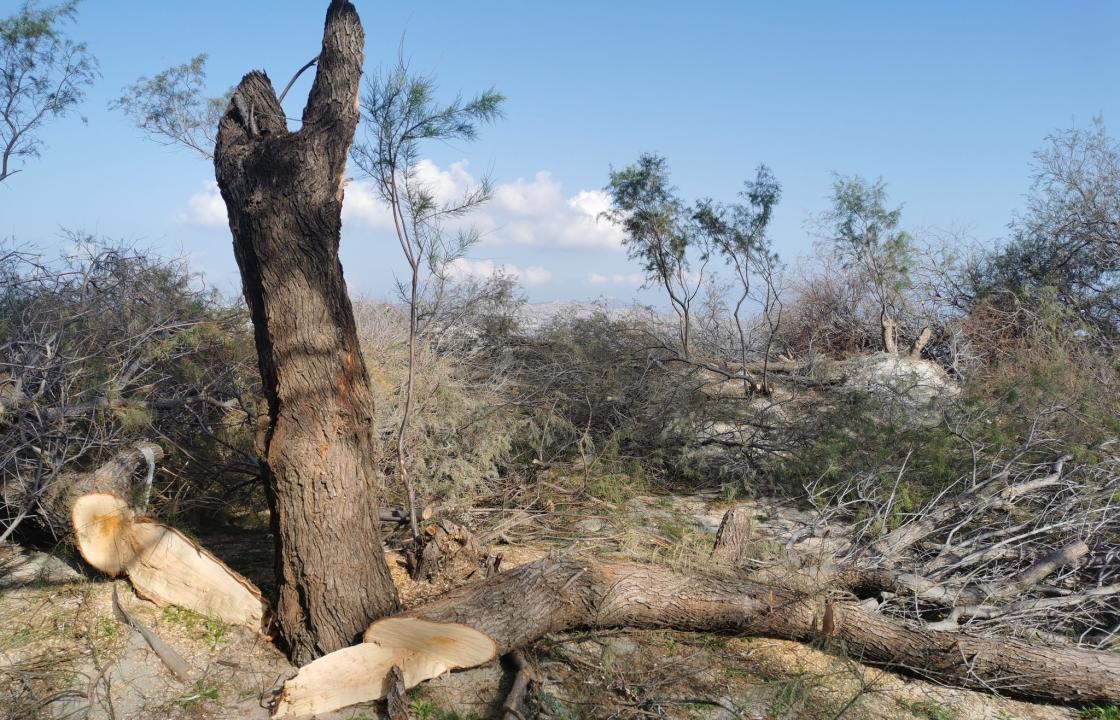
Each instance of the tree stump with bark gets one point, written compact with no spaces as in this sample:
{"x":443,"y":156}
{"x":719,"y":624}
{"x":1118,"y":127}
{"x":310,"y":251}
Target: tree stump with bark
{"x":283,"y":191}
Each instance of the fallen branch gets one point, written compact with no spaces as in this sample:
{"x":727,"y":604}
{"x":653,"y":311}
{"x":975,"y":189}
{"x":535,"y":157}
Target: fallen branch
{"x":522,"y":680}
{"x":163,"y":565}
{"x":476,"y":623}
{"x":173,"y":660}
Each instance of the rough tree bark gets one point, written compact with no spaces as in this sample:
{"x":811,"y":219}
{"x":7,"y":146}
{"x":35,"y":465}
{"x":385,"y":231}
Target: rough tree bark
{"x":890,"y":328}
{"x":733,"y":537}
{"x":283,"y":191}
{"x":473,"y":624}
{"x":114,"y":477}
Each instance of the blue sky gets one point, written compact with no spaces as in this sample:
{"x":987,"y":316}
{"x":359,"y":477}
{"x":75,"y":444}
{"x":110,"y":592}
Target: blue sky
{"x":945,"y":100}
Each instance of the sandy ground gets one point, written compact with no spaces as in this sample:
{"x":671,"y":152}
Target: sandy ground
{"x":63,"y":654}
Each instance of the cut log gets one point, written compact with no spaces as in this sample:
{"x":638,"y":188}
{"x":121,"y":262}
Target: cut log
{"x":890,"y":329}
{"x":422,"y":650}
{"x":445,"y":549}
{"x":114,"y":477}
{"x":399,"y":516}
{"x":473,"y":624}
{"x":163,"y":565}
{"x":102,"y":528}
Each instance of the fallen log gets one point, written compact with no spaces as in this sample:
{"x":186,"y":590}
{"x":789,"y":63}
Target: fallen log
{"x":474,"y":624}
{"x":114,"y":477}
{"x":162,"y":564}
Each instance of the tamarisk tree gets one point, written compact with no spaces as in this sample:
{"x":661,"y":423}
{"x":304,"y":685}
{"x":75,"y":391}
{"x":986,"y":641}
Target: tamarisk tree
{"x":738,"y":233}
{"x":401,"y":113}
{"x":283,"y":192}
{"x":661,"y":233}
{"x":43,"y":75}
{"x":867,"y":237}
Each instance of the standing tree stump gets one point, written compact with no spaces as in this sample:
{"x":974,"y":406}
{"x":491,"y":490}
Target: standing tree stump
{"x":283,"y":191}
{"x":732,"y":537}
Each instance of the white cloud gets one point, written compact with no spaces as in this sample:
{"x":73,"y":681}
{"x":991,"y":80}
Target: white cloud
{"x":205,"y":208}
{"x":523,"y":212}
{"x":626,"y":279}
{"x":361,"y":205}
{"x":462,"y":268}
{"x":536,"y":212}
{"x":534,"y":275}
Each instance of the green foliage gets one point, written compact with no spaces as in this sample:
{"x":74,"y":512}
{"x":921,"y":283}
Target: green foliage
{"x":32,"y":23}
{"x":789,"y":696}
{"x":655,"y":220}
{"x":867,"y":236}
{"x":44,"y":76}
{"x":931,"y":711}
{"x":1064,"y":247}
{"x":738,"y":231}
{"x":135,"y":348}
{"x":597,"y":390}
{"x":401,"y":115}
{"x":1100,"y":712}
{"x":1042,"y":372}
{"x":554,"y":707}
{"x":861,"y":434}
{"x":661,"y":233}
{"x":172,"y":106}
{"x":204,"y":690}
{"x":424,"y":709}
{"x":463,"y":426}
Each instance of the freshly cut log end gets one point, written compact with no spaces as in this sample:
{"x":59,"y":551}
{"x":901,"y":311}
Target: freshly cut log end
{"x":420,"y":648}
{"x":163,"y":565}
{"x":171,"y":569}
{"x":103,"y":527}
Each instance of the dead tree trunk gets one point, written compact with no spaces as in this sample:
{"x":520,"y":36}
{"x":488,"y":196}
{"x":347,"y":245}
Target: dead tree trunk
{"x":283,"y":191}
{"x":890,"y":328}
{"x":920,"y":343}
{"x":475,"y":623}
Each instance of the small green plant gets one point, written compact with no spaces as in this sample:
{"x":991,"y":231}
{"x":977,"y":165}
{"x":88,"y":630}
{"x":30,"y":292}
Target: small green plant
{"x":424,"y":709}
{"x":731,"y":673}
{"x":553,"y":707}
{"x":204,"y":690}
{"x":210,"y":630}
{"x":789,"y":695}
{"x":932,"y":711}
{"x":715,"y":642}
{"x":1100,"y":712}
{"x":105,"y":630}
